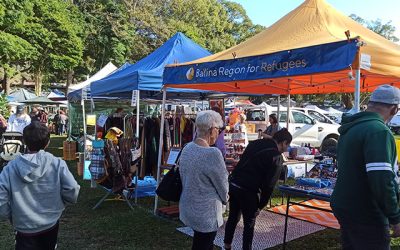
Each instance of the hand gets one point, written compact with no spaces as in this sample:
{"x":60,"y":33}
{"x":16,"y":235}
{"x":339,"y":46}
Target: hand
{"x":396,"y":231}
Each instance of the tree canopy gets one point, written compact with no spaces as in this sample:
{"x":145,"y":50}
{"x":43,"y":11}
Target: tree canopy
{"x":61,"y":40}
{"x":54,"y":39}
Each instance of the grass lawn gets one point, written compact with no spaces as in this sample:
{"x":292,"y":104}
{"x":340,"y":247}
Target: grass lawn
{"x":114,"y":226}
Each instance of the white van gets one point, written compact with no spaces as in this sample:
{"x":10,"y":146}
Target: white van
{"x":303,"y":128}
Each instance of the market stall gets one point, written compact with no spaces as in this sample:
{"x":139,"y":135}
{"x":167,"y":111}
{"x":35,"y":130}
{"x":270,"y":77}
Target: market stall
{"x":330,"y":53}
{"x":138,"y":85}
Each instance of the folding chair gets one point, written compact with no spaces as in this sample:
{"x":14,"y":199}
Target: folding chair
{"x":117,"y":197}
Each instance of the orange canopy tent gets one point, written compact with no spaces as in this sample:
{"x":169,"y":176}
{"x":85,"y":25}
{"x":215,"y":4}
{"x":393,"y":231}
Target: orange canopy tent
{"x":313,"y":23}
{"x":314,"y":29}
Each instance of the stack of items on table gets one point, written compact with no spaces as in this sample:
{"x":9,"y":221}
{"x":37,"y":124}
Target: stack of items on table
{"x":234,"y":150}
{"x":320,"y":180}
{"x":303,"y":153}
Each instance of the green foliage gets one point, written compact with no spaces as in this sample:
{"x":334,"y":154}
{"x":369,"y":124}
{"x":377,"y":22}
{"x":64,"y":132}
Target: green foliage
{"x":108,"y":36}
{"x":48,"y":37}
{"x":14,"y":48}
{"x":55,"y":30}
{"x":3,"y":106}
{"x":386,"y":30}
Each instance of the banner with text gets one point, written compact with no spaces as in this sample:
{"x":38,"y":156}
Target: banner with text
{"x":315,"y":59}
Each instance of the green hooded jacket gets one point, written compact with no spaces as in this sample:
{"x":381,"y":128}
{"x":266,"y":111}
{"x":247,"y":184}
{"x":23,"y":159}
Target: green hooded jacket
{"x":366,"y":190}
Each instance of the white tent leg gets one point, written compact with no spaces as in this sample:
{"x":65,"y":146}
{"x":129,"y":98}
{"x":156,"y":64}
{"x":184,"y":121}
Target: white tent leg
{"x":137,"y":136}
{"x":160,"y":147}
{"x":279,"y":108}
{"x":288,"y":112}
{"x":357,"y":92}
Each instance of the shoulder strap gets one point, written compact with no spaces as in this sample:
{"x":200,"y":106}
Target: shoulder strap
{"x":179,"y":157}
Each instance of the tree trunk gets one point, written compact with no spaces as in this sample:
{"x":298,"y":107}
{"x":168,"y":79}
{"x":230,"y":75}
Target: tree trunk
{"x":6,"y":84}
{"x":38,"y":82}
{"x":70,"y":78}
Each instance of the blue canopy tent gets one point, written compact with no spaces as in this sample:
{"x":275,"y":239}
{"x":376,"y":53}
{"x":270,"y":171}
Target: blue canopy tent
{"x":147,"y":74}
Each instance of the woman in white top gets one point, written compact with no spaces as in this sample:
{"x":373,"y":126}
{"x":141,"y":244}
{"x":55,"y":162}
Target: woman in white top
{"x":240,"y":127}
{"x":18,"y":121}
{"x":204,"y":182}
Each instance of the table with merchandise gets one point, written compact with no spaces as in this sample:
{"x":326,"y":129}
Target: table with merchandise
{"x":318,"y":184}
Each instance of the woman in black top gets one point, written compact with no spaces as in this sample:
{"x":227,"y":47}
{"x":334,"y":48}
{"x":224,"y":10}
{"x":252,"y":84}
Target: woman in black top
{"x":252,"y":183}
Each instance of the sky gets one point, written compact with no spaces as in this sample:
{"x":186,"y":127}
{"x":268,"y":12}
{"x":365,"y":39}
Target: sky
{"x":267,"y":12}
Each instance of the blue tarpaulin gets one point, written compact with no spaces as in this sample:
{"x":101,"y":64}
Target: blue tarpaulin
{"x":147,"y":73}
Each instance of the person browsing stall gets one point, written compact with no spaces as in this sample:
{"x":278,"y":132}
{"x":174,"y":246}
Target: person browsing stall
{"x":220,"y":142}
{"x":272,"y":128}
{"x":365,"y":199}
{"x":18,"y":121}
{"x":204,"y":182}
{"x":252,"y":183}
{"x":34,"y":189}
{"x":240,"y":127}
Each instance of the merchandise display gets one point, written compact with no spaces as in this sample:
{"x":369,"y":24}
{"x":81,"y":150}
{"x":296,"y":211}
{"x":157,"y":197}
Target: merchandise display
{"x":319,"y":181}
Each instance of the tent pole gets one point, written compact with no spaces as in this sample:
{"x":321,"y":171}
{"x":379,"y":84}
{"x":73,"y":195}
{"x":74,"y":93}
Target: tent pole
{"x":357,"y":92}
{"x":137,"y":113}
{"x":279,"y":108}
{"x":160,"y":146}
{"x":69,"y":123}
{"x":357,"y":82}
{"x":137,"y":136}
{"x":288,"y":112}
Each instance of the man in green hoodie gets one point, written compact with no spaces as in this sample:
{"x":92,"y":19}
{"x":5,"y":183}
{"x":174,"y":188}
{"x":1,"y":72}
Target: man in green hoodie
{"x":365,"y":199}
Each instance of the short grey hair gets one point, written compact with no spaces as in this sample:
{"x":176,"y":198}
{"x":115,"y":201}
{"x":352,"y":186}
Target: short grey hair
{"x":208,"y":119}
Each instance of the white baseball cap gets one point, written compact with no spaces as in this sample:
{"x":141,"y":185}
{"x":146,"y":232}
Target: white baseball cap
{"x":386,"y":94}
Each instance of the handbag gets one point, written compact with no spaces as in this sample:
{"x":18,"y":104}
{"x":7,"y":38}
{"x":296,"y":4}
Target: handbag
{"x":170,"y":187}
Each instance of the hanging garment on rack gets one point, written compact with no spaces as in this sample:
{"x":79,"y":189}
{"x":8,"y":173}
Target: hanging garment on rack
{"x":152,"y":138}
{"x":187,"y":134}
{"x":114,"y":163}
{"x":171,"y":130}
{"x":125,"y":146}
{"x":177,"y":129}
{"x":167,"y":136}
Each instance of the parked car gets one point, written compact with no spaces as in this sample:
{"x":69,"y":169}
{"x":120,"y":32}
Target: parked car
{"x":394,"y":124}
{"x":323,"y":118}
{"x":303,"y":127}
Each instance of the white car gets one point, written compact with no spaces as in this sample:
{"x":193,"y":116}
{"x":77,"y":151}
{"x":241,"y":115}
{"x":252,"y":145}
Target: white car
{"x":394,"y":124}
{"x":320,"y":117}
{"x":303,"y":128}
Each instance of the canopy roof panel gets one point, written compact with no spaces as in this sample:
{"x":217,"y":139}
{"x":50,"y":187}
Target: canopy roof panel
{"x":313,"y":23}
{"x":103,"y":72}
{"x":147,"y":73}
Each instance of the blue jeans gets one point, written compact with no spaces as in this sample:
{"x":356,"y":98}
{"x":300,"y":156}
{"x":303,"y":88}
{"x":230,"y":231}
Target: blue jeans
{"x":357,"y":236}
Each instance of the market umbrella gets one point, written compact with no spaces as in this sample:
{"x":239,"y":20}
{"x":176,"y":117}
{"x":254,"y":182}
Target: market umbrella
{"x":20,"y":95}
{"x":41,"y":100}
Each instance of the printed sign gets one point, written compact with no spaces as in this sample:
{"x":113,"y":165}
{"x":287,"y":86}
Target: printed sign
{"x":134,"y":98}
{"x":314,"y":59}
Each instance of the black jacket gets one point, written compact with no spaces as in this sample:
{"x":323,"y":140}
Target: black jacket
{"x":259,"y":169}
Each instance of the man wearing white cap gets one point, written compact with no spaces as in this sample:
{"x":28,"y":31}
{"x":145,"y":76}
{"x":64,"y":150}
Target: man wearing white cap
{"x":365,"y":199}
